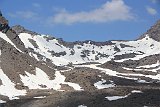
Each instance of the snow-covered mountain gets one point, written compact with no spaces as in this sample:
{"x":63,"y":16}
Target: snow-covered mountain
{"x":35,"y":68}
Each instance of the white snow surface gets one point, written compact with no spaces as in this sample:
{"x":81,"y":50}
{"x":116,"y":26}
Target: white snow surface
{"x":82,"y":105}
{"x":1,"y":101}
{"x":112,"y":98}
{"x":137,"y":91}
{"x":42,"y":79}
{"x":147,"y":45}
{"x":40,"y":97}
{"x":144,"y":47}
{"x":142,"y":81}
{"x":101,"y":84}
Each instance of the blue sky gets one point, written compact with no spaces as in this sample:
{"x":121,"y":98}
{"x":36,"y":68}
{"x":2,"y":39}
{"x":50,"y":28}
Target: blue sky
{"x":98,"y":20}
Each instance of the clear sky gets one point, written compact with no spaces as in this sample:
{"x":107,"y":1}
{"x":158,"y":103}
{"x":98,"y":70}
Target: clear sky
{"x":72,"y":20}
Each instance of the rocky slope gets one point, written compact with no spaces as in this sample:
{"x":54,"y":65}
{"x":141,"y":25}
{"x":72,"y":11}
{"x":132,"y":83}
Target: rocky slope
{"x":42,"y":71}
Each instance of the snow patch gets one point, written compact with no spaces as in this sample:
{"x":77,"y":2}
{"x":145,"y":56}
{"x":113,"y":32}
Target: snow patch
{"x":112,"y":98}
{"x":1,"y":101}
{"x":101,"y":84}
{"x":136,"y":91}
{"x":82,"y":105}
{"x":40,"y":97}
{"x":142,"y":81}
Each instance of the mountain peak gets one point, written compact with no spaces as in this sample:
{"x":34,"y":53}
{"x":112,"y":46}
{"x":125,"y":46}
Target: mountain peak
{"x":20,"y":29}
{"x":153,"y":32}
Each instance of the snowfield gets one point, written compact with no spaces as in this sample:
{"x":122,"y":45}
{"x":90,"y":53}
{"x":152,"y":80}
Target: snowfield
{"x":144,"y":47}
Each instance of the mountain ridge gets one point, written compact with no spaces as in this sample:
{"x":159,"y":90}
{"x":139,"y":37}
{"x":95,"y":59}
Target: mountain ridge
{"x":153,"y":32}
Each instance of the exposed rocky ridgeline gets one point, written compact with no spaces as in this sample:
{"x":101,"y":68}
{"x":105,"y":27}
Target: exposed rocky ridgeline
{"x":43,"y":71}
{"x":154,"y":32}
{"x":20,"y":29}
